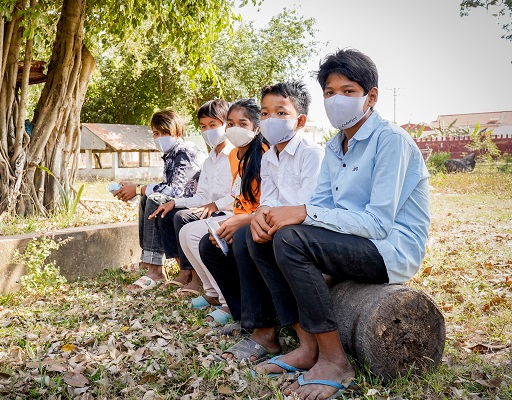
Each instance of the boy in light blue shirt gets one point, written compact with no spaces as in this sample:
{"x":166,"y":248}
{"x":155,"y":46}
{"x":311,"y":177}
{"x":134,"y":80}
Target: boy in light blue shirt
{"x":367,"y":221}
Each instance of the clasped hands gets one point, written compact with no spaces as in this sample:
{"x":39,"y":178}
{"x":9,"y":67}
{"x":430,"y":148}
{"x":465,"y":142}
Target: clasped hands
{"x":268,"y":220}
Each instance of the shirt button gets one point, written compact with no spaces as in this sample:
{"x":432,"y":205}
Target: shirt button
{"x":344,"y":165}
{"x":314,"y":215}
{"x":336,"y":187}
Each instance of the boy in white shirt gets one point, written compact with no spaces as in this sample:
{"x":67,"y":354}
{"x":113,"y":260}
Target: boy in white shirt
{"x":212,"y":197}
{"x":289,"y":172}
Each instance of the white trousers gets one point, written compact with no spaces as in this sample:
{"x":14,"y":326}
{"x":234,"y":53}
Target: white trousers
{"x":190,"y":236}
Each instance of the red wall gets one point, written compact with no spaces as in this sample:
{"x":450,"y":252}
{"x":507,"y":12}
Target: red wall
{"x":456,"y":145}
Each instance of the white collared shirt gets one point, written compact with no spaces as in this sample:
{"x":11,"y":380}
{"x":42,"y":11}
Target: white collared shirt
{"x":290,"y":179}
{"x":214,"y":183}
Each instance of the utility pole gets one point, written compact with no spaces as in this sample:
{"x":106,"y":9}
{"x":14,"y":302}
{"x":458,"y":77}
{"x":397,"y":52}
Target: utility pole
{"x":395,"y":94}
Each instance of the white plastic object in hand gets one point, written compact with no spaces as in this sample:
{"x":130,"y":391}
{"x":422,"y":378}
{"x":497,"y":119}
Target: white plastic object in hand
{"x":113,"y":186}
{"x":213,"y":226}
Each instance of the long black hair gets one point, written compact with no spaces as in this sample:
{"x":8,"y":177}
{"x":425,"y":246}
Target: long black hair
{"x":250,"y":163}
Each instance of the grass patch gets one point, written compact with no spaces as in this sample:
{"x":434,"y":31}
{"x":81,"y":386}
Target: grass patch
{"x":92,"y":339}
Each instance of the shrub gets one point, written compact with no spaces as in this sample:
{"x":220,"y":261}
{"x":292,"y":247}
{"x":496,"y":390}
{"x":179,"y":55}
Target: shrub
{"x":506,"y":163}
{"x":435,"y":162}
{"x":40,"y":277}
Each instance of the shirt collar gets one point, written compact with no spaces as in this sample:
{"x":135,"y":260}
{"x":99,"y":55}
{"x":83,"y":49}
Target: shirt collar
{"x":226,"y":150}
{"x":173,"y":148}
{"x":290,"y":148}
{"x":363,"y":133}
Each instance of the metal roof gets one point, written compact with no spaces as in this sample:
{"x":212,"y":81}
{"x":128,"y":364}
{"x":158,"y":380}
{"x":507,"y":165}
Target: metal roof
{"x":116,"y":137}
{"x":496,"y":118}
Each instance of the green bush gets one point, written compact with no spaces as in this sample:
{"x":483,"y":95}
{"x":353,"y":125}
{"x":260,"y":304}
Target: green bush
{"x":506,"y":163}
{"x":435,"y":162}
{"x":41,"y":277}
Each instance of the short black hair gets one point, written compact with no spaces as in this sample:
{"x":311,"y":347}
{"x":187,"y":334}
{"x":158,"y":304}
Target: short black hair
{"x":295,"y":90}
{"x":352,"y":63}
{"x":217,"y":108}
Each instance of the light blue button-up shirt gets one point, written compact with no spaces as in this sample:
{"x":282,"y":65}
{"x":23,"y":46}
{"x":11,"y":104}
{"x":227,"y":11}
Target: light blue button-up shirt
{"x":377,"y":190}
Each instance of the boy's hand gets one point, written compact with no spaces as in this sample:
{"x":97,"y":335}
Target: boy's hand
{"x":259,"y":225}
{"x":278,"y":217}
{"x":164,"y":209}
{"x":126,"y":192}
{"x":206,"y":210}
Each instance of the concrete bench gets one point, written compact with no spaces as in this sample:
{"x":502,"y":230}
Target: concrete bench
{"x":91,"y":250}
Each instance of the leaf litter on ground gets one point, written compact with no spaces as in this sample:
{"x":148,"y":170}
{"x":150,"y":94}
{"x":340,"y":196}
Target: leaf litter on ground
{"x":93,"y":339}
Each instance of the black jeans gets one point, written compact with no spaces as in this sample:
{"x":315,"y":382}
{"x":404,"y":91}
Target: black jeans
{"x":246,"y":294}
{"x":303,"y":253}
{"x":159,"y":236}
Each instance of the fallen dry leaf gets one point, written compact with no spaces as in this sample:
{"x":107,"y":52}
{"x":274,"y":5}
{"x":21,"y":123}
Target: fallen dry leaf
{"x":224,"y":389}
{"x":68,"y":347}
{"x":75,"y":380}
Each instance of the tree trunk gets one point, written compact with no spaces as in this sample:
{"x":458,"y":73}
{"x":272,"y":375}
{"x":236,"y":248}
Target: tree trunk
{"x":393,"y":329}
{"x":10,"y":167}
{"x":56,"y":134}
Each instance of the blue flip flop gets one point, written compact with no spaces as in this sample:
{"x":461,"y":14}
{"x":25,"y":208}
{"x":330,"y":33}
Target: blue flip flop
{"x":220,"y":317}
{"x":199,"y":302}
{"x":288,"y":369}
{"x":341,"y":388}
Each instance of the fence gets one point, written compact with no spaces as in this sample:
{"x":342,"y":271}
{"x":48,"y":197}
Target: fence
{"x":456,"y":145}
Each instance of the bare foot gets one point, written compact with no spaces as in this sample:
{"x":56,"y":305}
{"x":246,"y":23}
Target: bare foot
{"x":155,"y":272}
{"x":193,"y":288}
{"x":322,"y":370}
{"x":214,"y":301}
{"x":304,"y":357}
{"x":209,"y":318}
{"x":181,"y":280}
{"x":265,"y":337}
{"x":300,"y":358}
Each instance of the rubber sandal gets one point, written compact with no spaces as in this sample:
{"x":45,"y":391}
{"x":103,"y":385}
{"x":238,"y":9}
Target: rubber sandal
{"x":244,"y":350}
{"x":229,"y":329}
{"x":341,"y":388}
{"x":287,"y":368}
{"x":146,"y":283}
{"x":200,"y":302}
{"x":220,"y":317}
{"x":185,"y":292}
{"x":131,"y":268}
{"x":175,"y":283}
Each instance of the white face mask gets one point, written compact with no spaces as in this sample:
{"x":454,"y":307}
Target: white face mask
{"x":345,"y":111}
{"x":240,"y":137}
{"x":165,"y":143}
{"x":277,"y":130}
{"x":216,"y":136}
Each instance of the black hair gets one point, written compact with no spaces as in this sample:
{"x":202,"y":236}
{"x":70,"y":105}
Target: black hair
{"x":356,"y":66}
{"x":217,"y":108}
{"x":295,"y":90}
{"x":167,"y":121}
{"x":250,"y":164}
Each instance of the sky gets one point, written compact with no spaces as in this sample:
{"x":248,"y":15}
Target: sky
{"x":431,"y":61}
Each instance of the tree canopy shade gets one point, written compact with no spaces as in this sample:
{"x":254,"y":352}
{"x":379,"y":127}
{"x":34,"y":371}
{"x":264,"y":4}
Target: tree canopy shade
{"x":143,"y":74}
{"x":74,"y":30}
{"x":500,"y":8}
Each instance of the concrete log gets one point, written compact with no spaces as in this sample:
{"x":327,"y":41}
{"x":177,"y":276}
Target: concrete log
{"x":393,"y":329}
